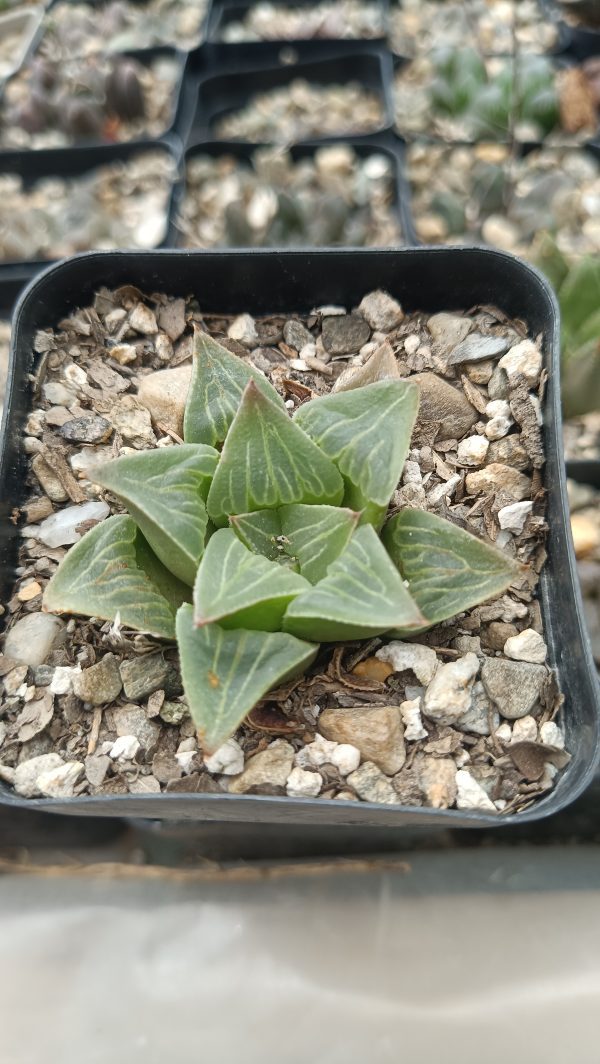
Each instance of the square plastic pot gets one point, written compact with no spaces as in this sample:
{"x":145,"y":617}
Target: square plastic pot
{"x":262,"y":282}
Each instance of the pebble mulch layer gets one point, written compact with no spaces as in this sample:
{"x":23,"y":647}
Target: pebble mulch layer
{"x":77,"y":29}
{"x":463,"y":717}
{"x":331,"y":19}
{"x":494,"y":27}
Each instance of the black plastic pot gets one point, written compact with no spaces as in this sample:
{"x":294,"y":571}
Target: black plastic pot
{"x":363,"y":146}
{"x":224,"y":12}
{"x":76,"y":162}
{"x":430,"y":279}
{"x":246,"y":70}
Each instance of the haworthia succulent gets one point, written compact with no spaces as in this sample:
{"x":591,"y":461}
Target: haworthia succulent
{"x":216,"y":389}
{"x":361,"y":596}
{"x":259,"y":531}
{"x":112,"y":573}
{"x":239,"y":589}
{"x":267,"y":462}
{"x":447,"y":569}
{"x":316,"y":536}
{"x":367,"y":434}
{"x":225,"y":673}
{"x":164,"y":490}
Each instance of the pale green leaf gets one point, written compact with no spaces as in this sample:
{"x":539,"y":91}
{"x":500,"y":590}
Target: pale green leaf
{"x":112,"y":572}
{"x":226,"y":673}
{"x":366,"y":433}
{"x":164,"y":491}
{"x":216,"y":389}
{"x":240,"y":589}
{"x":267,"y":461}
{"x":579,"y":295}
{"x":316,"y":536}
{"x":361,"y":596}
{"x":447,"y":569}
{"x":259,"y":531}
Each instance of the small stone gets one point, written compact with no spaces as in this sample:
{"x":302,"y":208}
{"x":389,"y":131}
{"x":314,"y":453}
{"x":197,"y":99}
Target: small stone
{"x":504,"y":733}
{"x":29,"y":591}
{"x":470,"y":794}
{"x":132,"y":720}
{"x":448,"y":696}
{"x":586,"y":535}
{"x":174,"y":712}
{"x":512,"y":518}
{"x":87,"y":429}
{"x":523,"y":360}
{"x":124,"y":354}
{"x":525,"y":729}
{"x":143,"y":675}
{"x":473,"y":450}
{"x":376,"y":731}
{"x":37,"y":509}
{"x":372,"y":786}
{"x":42,"y":675}
{"x":496,"y":634}
{"x":477,"y":719}
{"x":57,"y":394}
{"x":164,"y":393}
{"x":62,"y":679}
{"x":551,"y":735}
{"x":345,"y":758}
{"x":124,"y":748}
{"x":381,"y":365}
{"x":319,"y":752}
{"x":515,"y":687}
{"x":478,"y":348}
{"x":410,"y":711}
{"x":443,"y":406}
{"x":28,"y":772}
{"x":509,"y":451}
{"x":501,"y":419}
{"x":382,"y":312}
{"x":65,"y":526}
{"x":528,"y":645}
{"x":228,"y":760}
{"x":14,"y":679}
{"x":345,"y":335}
{"x":420,"y":660}
{"x":479,"y":372}
{"x":60,"y":782}
{"x":271,"y":766}
{"x":143,"y":320}
{"x":498,"y":384}
{"x":99,"y":684}
{"x":448,"y":331}
{"x":33,"y":637}
{"x":411,"y":344}
{"x":166,"y":767}
{"x":437,"y":779}
{"x":96,"y":768}
{"x":144,"y":785}
{"x":303,"y":784}
{"x":171,"y":318}
{"x":132,"y":420}
{"x":48,"y":480}
{"x":296,"y":335}
{"x":373,"y":669}
{"x":498,"y":478}
{"x":243,"y":329}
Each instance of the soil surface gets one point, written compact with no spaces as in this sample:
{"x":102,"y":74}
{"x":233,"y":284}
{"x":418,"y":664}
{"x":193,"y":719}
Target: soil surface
{"x":90,"y":708}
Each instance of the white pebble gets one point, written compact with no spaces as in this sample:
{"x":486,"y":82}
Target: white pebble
{"x":512,"y":518}
{"x":124,"y":748}
{"x":61,"y":528}
{"x":473,"y":451}
{"x":445,"y":490}
{"x":317,"y":753}
{"x":410,"y":711}
{"x":75,"y":376}
{"x":504,"y":733}
{"x":243,"y":329}
{"x":501,"y":420}
{"x":470,"y":794}
{"x":60,"y":782}
{"x":62,"y":679}
{"x":421,"y":660}
{"x":143,"y":320}
{"x":411,"y":344}
{"x":551,"y":735}
{"x":303,"y":784}
{"x":526,"y":646}
{"x":228,"y":760}
{"x":346,"y":758}
{"x":524,"y":360}
{"x":299,"y":365}
{"x":448,"y":696}
{"x":525,"y":730}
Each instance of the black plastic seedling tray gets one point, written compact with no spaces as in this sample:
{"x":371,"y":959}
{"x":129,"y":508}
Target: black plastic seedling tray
{"x":363,"y":146}
{"x":223,"y":12}
{"x":251,"y":69}
{"x":261,"y":282}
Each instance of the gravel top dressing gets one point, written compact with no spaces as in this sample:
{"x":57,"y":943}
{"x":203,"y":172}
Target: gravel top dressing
{"x":461,"y":716}
{"x":333,"y":19}
{"x":75,"y":29}
{"x":492,"y":26}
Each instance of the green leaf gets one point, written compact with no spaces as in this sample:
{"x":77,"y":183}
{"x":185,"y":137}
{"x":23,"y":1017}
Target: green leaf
{"x":164,"y":491}
{"x":258,"y":532}
{"x":267,"y":462}
{"x":367,"y":434}
{"x":361,"y":596}
{"x":112,"y":572}
{"x":580,"y":386}
{"x":216,"y":389}
{"x":579,"y":295}
{"x":548,"y":257}
{"x":240,"y":589}
{"x":226,"y":673}
{"x":447,"y":569}
{"x":316,"y":536}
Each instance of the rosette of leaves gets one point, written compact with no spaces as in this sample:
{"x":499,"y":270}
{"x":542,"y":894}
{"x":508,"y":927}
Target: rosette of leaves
{"x":577,"y":286}
{"x":263,"y":535}
{"x":522,"y":91}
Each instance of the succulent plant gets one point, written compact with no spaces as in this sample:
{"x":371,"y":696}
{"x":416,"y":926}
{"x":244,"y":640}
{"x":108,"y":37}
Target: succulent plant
{"x":259,"y":537}
{"x":522,"y":91}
